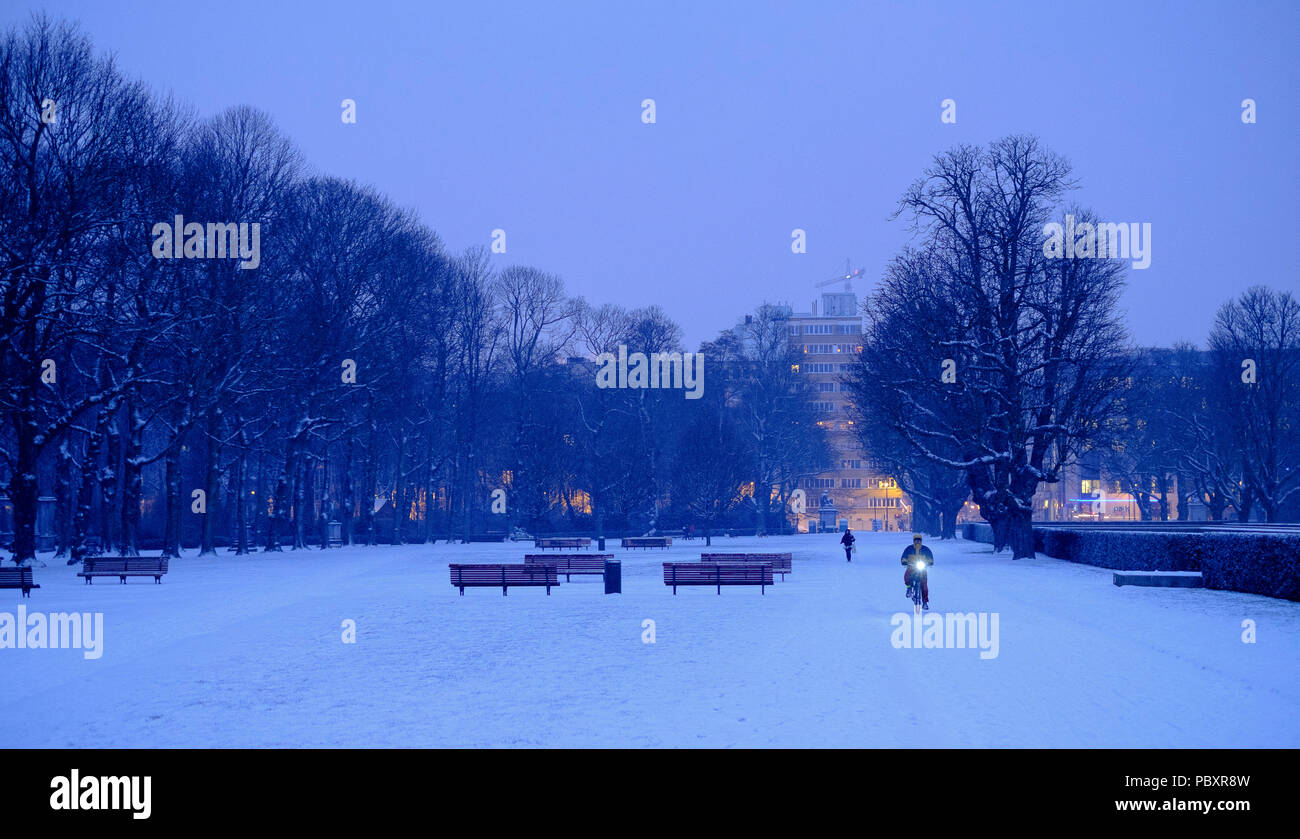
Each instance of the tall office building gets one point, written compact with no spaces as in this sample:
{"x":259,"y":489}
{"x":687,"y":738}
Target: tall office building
{"x":827,"y":340}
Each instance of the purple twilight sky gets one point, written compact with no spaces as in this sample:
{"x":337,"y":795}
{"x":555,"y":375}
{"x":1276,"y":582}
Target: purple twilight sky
{"x":770,"y":117}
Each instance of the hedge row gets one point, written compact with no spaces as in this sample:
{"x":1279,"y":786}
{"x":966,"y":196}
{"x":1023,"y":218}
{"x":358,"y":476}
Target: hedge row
{"x":1256,"y":563}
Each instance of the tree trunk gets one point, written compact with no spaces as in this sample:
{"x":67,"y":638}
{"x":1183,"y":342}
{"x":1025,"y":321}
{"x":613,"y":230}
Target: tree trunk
{"x":23,"y":492}
{"x":299,"y":501}
{"x":1020,"y":534}
{"x":1001,"y":526}
{"x":86,"y":492}
{"x":109,"y":478}
{"x":349,"y":499}
{"x":132,"y":481}
{"x":212,"y":485}
{"x":399,"y":490}
{"x":63,"y":499}
{"x":241,"y":505}
{"x":368,"y":488}
{"x":172,"y":511}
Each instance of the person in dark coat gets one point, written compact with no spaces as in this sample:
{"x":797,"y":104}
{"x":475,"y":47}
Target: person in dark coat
{"x":847,"y":541}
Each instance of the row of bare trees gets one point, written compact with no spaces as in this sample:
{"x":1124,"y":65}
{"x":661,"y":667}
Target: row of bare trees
{"x":359,"y":373}
{"x":1216,"y":426}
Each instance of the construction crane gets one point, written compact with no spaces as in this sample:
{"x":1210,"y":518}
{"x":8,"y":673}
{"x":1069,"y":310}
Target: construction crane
{"x":846,"y":277}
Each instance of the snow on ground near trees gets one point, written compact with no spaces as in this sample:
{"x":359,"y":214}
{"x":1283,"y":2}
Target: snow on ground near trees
{"x":247,"y":651}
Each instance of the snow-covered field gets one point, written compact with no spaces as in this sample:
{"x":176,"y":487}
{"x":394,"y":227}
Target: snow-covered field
{"x":248,"y":652}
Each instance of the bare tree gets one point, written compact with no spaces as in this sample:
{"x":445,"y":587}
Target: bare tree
{"x":1255,"y":357}
{"x":1042,"y":336}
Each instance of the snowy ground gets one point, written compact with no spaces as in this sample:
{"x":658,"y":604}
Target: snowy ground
{"x":248,"y":652}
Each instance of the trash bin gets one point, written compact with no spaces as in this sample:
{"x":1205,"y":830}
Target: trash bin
{"x":613,"y":576}
{"x":600,"y":544}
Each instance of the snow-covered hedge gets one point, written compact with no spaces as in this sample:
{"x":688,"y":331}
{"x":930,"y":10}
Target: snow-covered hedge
{"x":1258,"y":563}
{"x":1124,"y":550}
{"x":977,"y":532}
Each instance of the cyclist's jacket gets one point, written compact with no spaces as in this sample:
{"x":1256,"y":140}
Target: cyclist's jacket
{"x":910,"y":556}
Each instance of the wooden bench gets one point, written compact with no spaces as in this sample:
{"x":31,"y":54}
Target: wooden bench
{"x":123,"y":567}
{"x":568,"y":564}
{"x":718,"y":574}
{"x":647,"y":542}
{"x":489,"y":576}
{"x":781,"y":563}
{"x":561,"y":542}
{"x":18,"y":577}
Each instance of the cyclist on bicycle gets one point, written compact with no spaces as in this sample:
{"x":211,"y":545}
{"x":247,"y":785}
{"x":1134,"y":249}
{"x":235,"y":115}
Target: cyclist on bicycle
{"x":918,"y":560}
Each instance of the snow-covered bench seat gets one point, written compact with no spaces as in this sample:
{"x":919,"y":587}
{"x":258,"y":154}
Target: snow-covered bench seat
{"x":568,"y":564}
{"x":648,"y":542}
{"x":490,"y":576}
{"x":123,"y":567}
{"x":16,"y":577}
{"x":781,"y":562}
{"x":1167,"y":579}
{"x":718,"y":574}
{"x":561,"y":542}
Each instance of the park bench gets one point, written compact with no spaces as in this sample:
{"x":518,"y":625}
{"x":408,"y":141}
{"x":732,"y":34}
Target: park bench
{"x":781,"y":563}
{"x":718,"y":574}
{"x":123,"y":567}
{"x":647,"y":542}
{"x":490,"y":576}
{"x":561,"y":542}
{"x":568,"y":564}
{"x":1160,"y":579}
{"x":18,"y":577}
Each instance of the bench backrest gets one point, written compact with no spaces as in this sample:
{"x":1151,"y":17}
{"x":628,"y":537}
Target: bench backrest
{"x":16,"y":577}
{"x":125,"y":564}
{"x":497,"y":575}
{"x":702,"y":573}
{"x":585,"y":562}
{"x":780,"y":561}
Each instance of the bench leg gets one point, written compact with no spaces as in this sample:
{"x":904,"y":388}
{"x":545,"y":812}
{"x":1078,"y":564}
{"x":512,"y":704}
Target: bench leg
{"x":462,"y":591}
{"x":157,"y":579}
{"x":503,"y":591}
{"x":123,"y":580}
